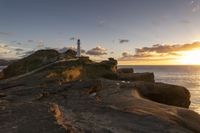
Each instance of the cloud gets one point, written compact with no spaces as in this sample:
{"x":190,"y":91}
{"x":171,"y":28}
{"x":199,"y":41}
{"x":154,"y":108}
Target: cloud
{"x":27,"y":53}
{"x":97,"y":51}
{"x":19,"y":49}
{"x":159,"y":52}
{"x":123,"y":41}
{"x":19,"y":43}
{"x":185,"y":21}
{"x":158,"y":48}
{"x":11,"y":52}
{"x":30,"y":41}
{"x":101,"y":23}
{"x":62,"y":50}
{"x":195,"y":4}
{"x":145,"y":57}
{"x":6,"y":33}
{"x":72,"y":39}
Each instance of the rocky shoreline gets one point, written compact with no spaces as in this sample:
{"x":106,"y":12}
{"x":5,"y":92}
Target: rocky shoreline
{"x":49,"y":92}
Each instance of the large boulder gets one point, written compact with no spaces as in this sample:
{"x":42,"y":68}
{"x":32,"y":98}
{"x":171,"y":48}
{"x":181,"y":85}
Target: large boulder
{"x":164,"y":93}
{"x":31,"y":62}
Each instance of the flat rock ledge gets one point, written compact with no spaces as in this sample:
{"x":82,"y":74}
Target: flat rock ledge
{"x":96,"y":106}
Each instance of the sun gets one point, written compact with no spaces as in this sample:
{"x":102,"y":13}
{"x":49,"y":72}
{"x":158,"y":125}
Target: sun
{"x":190,"y":57}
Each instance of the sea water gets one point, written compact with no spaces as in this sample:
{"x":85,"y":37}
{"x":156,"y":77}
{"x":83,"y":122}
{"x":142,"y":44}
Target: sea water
{"x":187,"y":76}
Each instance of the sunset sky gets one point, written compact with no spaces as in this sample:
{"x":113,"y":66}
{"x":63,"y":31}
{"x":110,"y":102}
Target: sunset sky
{"x":140,"y":32}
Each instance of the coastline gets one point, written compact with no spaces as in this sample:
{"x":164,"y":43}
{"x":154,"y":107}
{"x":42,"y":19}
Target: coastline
{"x":65,"y":93}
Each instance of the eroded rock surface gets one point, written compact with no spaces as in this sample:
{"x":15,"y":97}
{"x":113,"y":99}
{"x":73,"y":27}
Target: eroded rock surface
{"x":147,"y":77}
{"x":95,"y":106}
{"x":73,"y":96}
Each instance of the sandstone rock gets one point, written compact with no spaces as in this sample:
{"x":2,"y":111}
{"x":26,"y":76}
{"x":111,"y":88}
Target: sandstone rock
{"x":5,"y":62}
{"x":125,"y":70}
{"x":72,"y":96}
{"x":69,"y":54}
{"x":148,"y":77}
{"x":164,"y":93}
{"x":27,"y":64}
{"x":90,"y":106}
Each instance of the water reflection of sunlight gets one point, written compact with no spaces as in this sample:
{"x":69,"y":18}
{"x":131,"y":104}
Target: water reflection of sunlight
{"x":195,"y":108}
{"x":195,"y":98}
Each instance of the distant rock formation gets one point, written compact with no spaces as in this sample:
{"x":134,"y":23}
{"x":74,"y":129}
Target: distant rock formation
{"x":125,"y":70}
{"x":147,"y":77}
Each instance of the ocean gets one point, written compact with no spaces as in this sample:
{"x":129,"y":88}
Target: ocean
{"x":187,"y":76}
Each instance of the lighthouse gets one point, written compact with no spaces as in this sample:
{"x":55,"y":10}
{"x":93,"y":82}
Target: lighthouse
{"x":78,"y":48}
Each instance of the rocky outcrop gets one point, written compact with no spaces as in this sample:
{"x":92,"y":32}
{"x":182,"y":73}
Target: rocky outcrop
{"x":34,"y":61}
{"x":69,"y":54}
{"x":89,"y":106}
{"x":147,"y":77}
{"x":163,"y":93}
{"x":125,"y":70}
{"x":127,"y":74}
{"x":57,"y":65}
{"x":73,"y":96}
{"x":5,"y":62}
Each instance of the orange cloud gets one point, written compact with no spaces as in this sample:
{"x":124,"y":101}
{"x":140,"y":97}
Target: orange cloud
{"x":158,"y":53}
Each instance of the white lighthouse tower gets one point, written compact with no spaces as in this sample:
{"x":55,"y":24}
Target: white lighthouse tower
{"x":78,"y":48}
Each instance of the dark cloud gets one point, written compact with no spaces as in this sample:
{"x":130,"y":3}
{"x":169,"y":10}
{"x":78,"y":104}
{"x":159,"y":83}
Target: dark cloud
{"x":98,"y":51}
{"x":19,"y":49}
{"x":13,"y":41}
{"x":26,"y":53}
{"x":158,"y":52}
{"x":123,"y":41}
{"x":19,"y":43}
{"x":40,"y":45}
{"x":62,"y":50}
{"x":168,"y":48}
{"x":185,"y":21}
{"x":72,"y":39}
{"x":6,"y":33}
{"x":145,"y":57}
{"x":30,"y":41}
{"x":11,"y":52}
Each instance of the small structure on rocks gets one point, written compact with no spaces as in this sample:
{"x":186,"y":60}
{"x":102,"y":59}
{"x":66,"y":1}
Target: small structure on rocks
{"x":78,"y":48}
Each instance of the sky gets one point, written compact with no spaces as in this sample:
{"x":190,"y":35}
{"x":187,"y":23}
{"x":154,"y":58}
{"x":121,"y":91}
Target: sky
{"x":132,"y":31}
